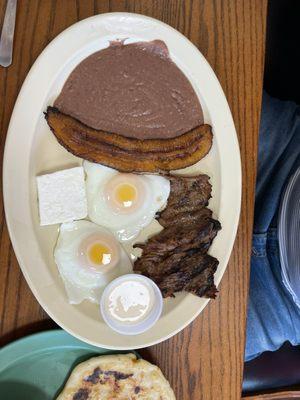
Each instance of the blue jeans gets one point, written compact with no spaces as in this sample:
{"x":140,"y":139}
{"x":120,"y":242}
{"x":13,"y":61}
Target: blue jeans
{"x":273,"y":317}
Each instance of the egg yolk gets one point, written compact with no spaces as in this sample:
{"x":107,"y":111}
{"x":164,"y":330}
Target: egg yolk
{"x":99,"y":254}
{"x":126,"y":194}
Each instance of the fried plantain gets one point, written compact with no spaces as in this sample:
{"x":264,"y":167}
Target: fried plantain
{"x":129,"y":154}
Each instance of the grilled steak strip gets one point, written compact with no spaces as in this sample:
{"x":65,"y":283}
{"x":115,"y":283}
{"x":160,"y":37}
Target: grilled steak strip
{"x":187,"y":195}
{"x":203,"y":285}
{"x":197,"y":279}
{"x":182,"y":237}
{"x":185,"y":217}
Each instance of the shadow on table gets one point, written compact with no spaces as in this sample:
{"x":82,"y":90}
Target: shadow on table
{"x":26,"y":330}
{"x":13,"y":390}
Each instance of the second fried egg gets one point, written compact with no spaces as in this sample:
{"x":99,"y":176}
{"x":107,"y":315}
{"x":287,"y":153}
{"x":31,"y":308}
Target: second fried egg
{"x":88,"y":257}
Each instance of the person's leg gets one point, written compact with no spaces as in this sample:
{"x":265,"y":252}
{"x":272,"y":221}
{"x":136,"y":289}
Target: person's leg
{"x":273,"y":317}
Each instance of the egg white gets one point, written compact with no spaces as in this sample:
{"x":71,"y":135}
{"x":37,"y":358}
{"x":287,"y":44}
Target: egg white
{"x":83,"y":283}
{"x":124,"y":226}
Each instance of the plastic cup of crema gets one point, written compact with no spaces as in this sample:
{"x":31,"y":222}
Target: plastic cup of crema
{"x":144,"y":323}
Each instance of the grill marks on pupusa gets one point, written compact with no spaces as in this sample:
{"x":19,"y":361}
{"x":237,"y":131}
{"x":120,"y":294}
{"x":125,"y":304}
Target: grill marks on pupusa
{"x":117,"y":376}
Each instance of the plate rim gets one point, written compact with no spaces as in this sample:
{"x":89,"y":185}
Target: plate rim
{"x":31,"y":340}
{"x":10,"y":135}
{"x":54,"y":340}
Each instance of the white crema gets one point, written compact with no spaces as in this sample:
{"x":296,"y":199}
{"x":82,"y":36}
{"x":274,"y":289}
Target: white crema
{"x":130,"y":301}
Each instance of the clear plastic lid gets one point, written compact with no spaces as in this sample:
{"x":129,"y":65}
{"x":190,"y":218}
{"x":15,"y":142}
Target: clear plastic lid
{"x":289,"y":236}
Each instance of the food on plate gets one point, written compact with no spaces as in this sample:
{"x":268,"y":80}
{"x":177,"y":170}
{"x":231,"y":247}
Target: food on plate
{"x":129,"y":154}
{"x":188,"y":199}
{"x":61,"y":196}
{"x":131,"y":304}
{"x":135,"y":90}
{"x":124,"y":203}
{"x":131,"y":108}
{"x":117,"y":377}
{"x":176,"y":258}
{"x":88,"y":257}
{"x":127,"y":110}
{"x":61,"y":121}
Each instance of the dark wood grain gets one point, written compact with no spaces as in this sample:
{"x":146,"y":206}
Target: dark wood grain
{"x":205,"y":361}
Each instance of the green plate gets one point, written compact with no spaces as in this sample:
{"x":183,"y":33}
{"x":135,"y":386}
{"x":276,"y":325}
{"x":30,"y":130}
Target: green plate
{"x":36,"y":367}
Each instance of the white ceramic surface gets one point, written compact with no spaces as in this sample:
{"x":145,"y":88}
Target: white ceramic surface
{"x":31,"y":150}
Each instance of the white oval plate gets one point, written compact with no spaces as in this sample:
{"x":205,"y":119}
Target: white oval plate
{"x":31,"y":150}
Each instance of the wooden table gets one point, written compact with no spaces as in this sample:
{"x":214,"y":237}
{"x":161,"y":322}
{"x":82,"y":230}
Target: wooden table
{"x":205,"y":361}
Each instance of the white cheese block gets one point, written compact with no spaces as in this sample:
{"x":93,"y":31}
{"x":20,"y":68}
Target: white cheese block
{"x":62,"y":196}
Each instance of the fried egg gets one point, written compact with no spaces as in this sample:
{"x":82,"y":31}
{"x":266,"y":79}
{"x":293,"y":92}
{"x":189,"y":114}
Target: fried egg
{"x":88,"y":257}
{"x":124,"y":203}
